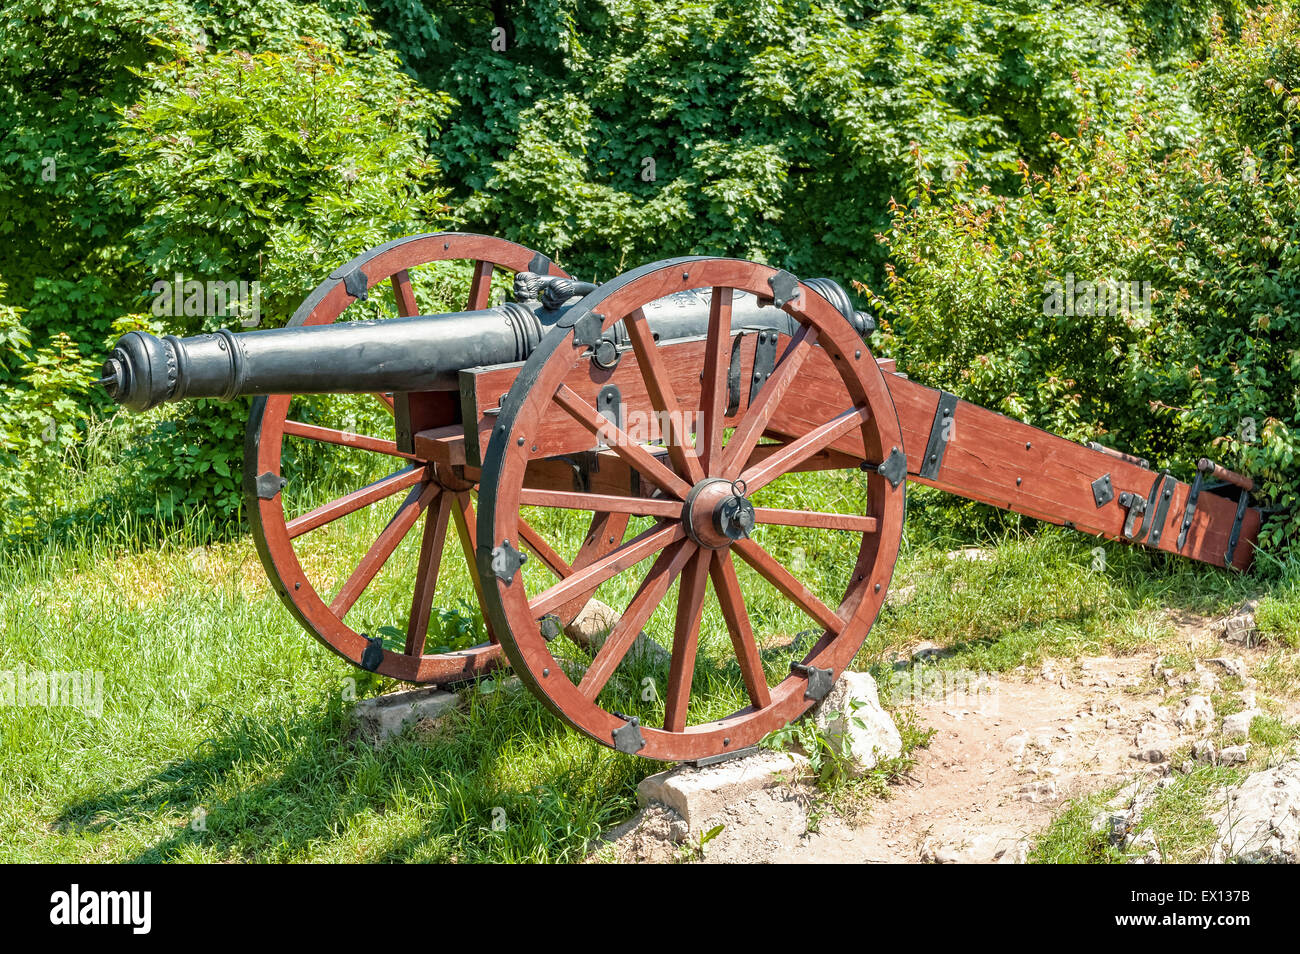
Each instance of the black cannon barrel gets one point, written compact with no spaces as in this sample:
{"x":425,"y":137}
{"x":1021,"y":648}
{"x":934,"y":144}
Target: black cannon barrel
{"x":421,"y":353}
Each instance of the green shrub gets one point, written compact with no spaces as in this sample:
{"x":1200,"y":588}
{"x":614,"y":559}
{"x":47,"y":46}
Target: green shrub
{"x":1214,"y":366}
{"x":274,"y":167}
{"x":38,"y":419}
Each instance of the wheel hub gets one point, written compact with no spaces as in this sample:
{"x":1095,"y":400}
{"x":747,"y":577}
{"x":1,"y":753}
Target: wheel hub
{"x":717,"y":513}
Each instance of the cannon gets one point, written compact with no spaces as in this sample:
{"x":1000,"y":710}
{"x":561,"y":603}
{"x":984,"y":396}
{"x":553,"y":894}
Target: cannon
{"x":670,"y":411}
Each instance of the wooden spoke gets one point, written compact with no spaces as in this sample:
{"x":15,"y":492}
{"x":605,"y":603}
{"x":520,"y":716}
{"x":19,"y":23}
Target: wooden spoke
{"x":545,"y":552}
{"x":623,"y":445}
{"x":727,"y":585}
{"x":686,"y":638}
{"x":800,"y":449}
{"x":480,"y":287}
{"x":717,"y":363}
{"x":426,"y":577}
{"x":383,"y":547}
{"x":598,"y":503}
{"x":657,"y":381}
{"x":607,"y":567}
{"x":351,"y":503}
{"x":463,"y":513}
{"x":386,"y":400}
{"x":783,"y":580}
{"x":605,"y":533}
{"x":648,"y":597}
{"x":404,"y":295}
{"x":345,"y":439}
{"x":815,"y":520}
{"x":756,"y":419}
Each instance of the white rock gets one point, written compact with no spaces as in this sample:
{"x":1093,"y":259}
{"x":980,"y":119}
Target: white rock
{"x":1237,"y":725}
{"x":1196,"y":712}
{"x":1153,"y":743}
{"x":1041,"y":791}
{"x":851,"y":715}
{"x":591,"y":627}
{"x":970,"y":553}
{"x":1260,"y":820}
{"x":1239,"y":626}
{"x":1015,"y":746}
{"x":1234,"y":754}
{"x":382,"y":717}
{"x":925,"y":652}
{"x":698,"y":794}
{"x":1232,"y":665}
{"x":1204,"y":751}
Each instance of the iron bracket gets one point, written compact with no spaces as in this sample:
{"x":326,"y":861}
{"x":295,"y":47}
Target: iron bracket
{"x":785,"y":288}
{"x":1162,"y":510}
{"x":268,"y":485}
{"x":1190,"y":512}
{"x":586,"y":330}
{"x":609,"y":403}
{"x":940,"y":434}
{"x":764,"y":361}
{"x":628,"y":738}
{"x":819,"y":681}
{"x":506,"y":561}
{"x":549,"y":626}
{"x":1236,"y":527}
{"x":357,"y":284}
{"x":373,"y":654}
{"x":723,"y":757}
{"x":539,"y":264}
{"x":893,"y":468}
{"x":1137,"y":507}
{"x":1102,"y":491}
{"x":733,"y":377}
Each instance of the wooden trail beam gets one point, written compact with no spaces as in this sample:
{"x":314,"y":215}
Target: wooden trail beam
{"x":997,"y":460}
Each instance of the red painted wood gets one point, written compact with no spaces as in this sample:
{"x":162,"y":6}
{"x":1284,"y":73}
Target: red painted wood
{"x":627,"y":555}
{"x":648,"y":597}
{"x":686,"y":638}
{"x":330,"y":435}
{"x":351,"y":503}
{"x":727,"y":585}
{"x":620,"y":442}
{"x":275,"y":546}
{"x":382,"y":548}
{"x":426,"y":576}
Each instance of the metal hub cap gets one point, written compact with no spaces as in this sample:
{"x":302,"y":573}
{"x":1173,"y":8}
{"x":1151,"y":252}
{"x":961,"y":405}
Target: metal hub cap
{"x":717,"y":513}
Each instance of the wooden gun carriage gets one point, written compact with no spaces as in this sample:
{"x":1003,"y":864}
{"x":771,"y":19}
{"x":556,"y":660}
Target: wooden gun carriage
{"x":664,"y":405}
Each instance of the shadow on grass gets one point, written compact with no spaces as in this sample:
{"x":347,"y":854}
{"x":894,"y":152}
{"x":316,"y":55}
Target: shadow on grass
{"x":500,"y":780}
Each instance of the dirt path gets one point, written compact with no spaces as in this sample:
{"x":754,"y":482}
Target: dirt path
{"x":995,"y":772}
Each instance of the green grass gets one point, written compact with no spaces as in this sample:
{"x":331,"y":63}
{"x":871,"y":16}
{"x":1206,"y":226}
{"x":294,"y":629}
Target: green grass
{"x":218,"y":708}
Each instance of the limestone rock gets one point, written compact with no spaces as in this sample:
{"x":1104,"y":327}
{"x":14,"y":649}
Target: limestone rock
{"x":698,"y":794}
{"x":591,"y":627}
{"x":1237,"y":725}
{"x":1239,"y":627}
{"x":1197,"y":711}
{"x":1260,"y":820}
{"x":382,"y":717}
{"x":1154,"y":743}
{"x":1234,"y":754}
{"x":851,"y":715}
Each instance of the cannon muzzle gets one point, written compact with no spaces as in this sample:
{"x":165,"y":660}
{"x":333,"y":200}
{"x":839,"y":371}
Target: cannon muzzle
{"x":421,"y":353}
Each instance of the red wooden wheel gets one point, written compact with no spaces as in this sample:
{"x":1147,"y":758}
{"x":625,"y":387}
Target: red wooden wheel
{"x":699,"y":510}
{"x":437,"y":494}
